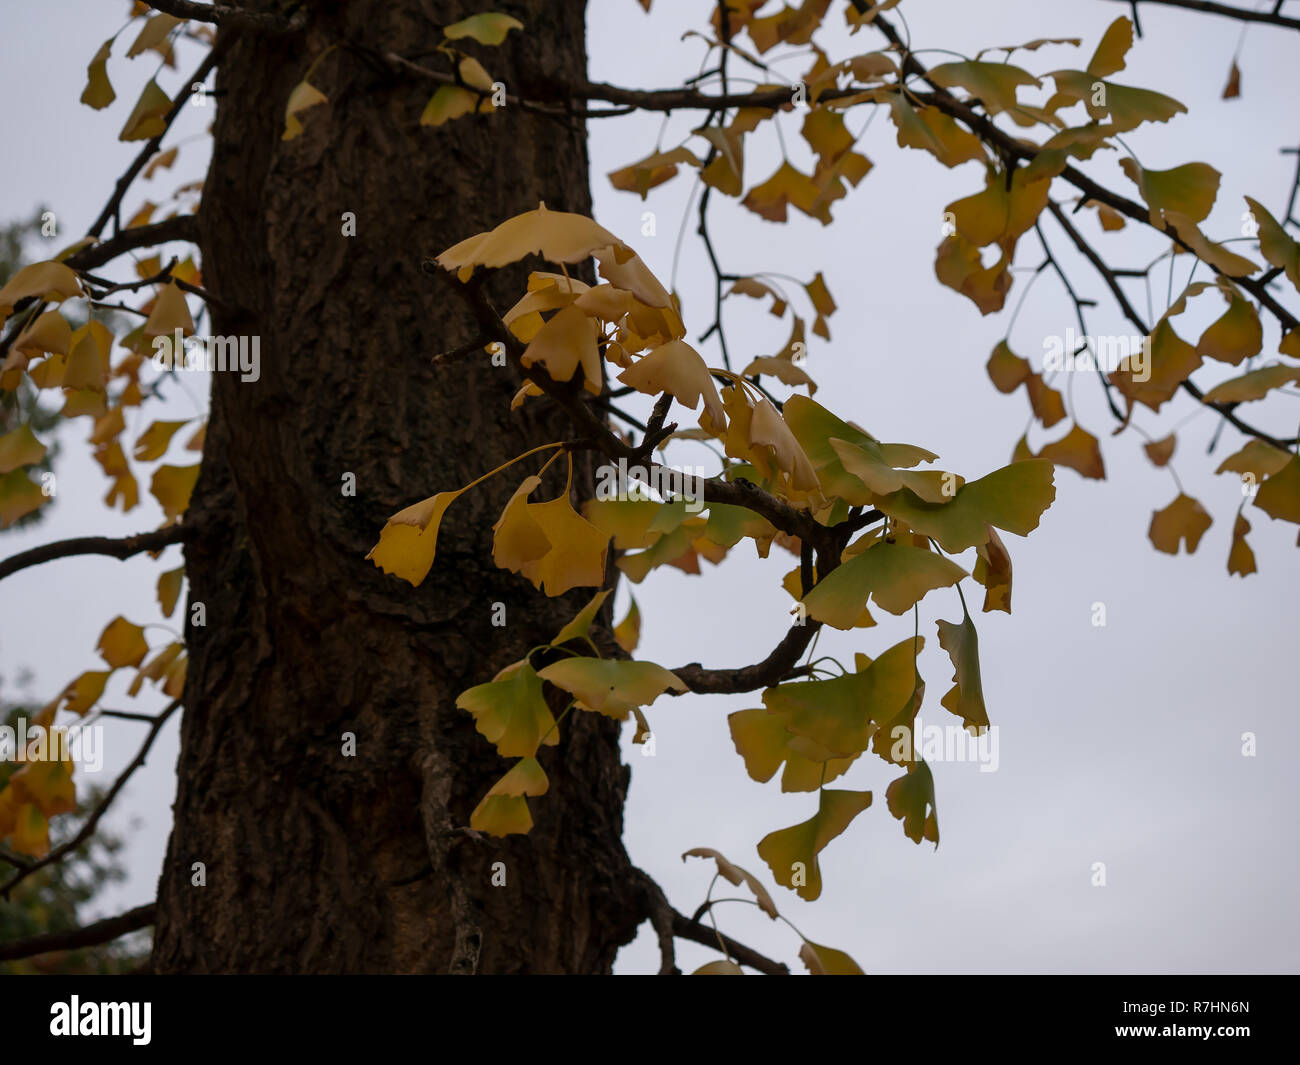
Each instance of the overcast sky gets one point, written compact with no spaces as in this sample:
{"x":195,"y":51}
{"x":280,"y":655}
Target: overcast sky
{"x":1119,"y":744}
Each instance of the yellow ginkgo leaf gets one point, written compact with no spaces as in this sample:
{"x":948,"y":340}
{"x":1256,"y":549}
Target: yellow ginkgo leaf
{"x":99,"y":90}
{"x":910,"y":798}
{"x":787,"y":186}
{"x":169,"y":589}
{"x":1184,"y":520}
{"x":994,"y":84}
{"x":827,"y":961}
{"x":1254,"y":385}
{"x":49,"y":334}
{"x":1256,"y":458}
{"x":409,"y":540}
{"x":733,"y":874}
{"x":1078,"y":449}
{"x":30,"y":834}
{"x":518,"y":541}
{"x":161,"y":161}
{"x":677,"y":368}
{"x":148,"y":118}
{"x":966,"y":697}
{"x":84,"y":692}
{"x":784,"y":371}
{"x":19,"y":496}
{"x":1279,"y":496}
{"x":993,"y":570}
{"x":1108,"y":59}
{"x":1241,"y":559}
{"x":170,"y":312}
{"x":721,"y":967}
{"x":791,"y":853}
{"x":643,"y":175}
{"x":511,"y":713}
{"x":488,"y":28}
{"x":46,"y":784}
{"x":558,"y":236}
{"x":566,"y":343}
{"x":929,"y":129}
{"x":1189,"y":189}
{"x":153,"y":34}
{"x":153,"y":442}
{"x":611,"y":686}
{"x":47,"y":281}
{"x":172,"y":485}
{"x":767,"y":429}
{"x":627,"y":633}
{"x":580,"y":627}
{"x":122,"y":644}
{"x":1121,"y":107}
{"x":504,"y":810}
{"x":449,"y":102}
{"x":20,"y":448}
{"x":304,"y":96}
{"x":1235,"y":335}
{"x":762,"y":738}
{"x":1275,"y":243}
{"x":577,"y":554}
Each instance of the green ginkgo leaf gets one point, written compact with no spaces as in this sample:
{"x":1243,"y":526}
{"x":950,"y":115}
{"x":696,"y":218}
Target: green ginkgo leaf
{"x":488,"y":28}
{"x":511,"y":712}
{"x":910,"y":798}
{"x":504,"y":810}
{"x":966,"y":697}
{"x":841,"y":714}
{"x":1012,"y":498}
{"x":791,"y":853}
{"x":611,"y":686}
{"x":896,"y":576}
{"x":580,"y":627}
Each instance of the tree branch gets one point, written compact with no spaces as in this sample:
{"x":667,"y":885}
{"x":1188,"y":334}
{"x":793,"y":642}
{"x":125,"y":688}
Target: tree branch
{"x":685,"y":928}
{"x":773,"y":669}
{"x":122,"y":548}
{"x":151,"y":147}
{"x":88,"y":829}
{"x":229,"y":15}
{"x":1112,"y":282}
{"x":1273,"y":18}
{"x":92,"y":935}
{"x":181,"y":227}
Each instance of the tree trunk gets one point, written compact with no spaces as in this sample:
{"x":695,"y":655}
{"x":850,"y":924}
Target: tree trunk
{"x":315,"y":861}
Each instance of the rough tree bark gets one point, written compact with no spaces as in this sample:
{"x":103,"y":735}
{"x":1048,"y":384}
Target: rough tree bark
{"x":305,"y":640}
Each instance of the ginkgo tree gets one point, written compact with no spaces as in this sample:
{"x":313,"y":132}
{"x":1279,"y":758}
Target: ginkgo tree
{"x":411,"y":763}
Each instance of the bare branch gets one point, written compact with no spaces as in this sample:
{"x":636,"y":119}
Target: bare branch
{"x":181,"y":227}
{"x":1272,"y":18}
{"x":151,"y":147}
{"x":685,"y":928}
{"x":772,"y":670}
{"x":1108,"y":275}
{"x":92,"y":935}
{"x":121,"y":548}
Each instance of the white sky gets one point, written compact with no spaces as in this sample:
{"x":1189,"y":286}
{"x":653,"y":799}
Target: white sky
{"x":1119,"y":744}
